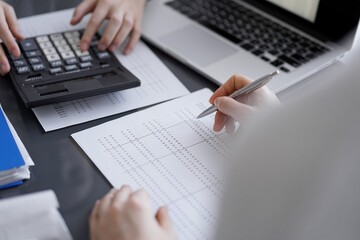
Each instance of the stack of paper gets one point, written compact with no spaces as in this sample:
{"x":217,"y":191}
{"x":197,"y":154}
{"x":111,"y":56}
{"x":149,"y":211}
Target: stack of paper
{"x":14,"y":159}
{"x":32,"y":216}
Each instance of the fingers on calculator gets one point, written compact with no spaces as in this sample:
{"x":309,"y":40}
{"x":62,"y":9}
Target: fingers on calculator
{"x":99,"y":15}
{"x":117,"y":29}
{"x":123,"y":22}
{"x":9,"y":29}
{"x":51,"y":68}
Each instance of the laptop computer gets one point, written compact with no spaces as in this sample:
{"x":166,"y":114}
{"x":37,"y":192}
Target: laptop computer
{"x":219,"y":38}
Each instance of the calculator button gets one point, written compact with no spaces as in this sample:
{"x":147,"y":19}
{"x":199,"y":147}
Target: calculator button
{"x":75,"y":46}
{"x":49,"y":51}
{"x":56,"y":36}
{"x":72,"y":34}
{"x":41,"y":39}
{"x":64,"y":48}
{"x":71,"y":68}
{"x":73,"y":40}
{"x":80,"y":53}
{"x":23,"y":69}
{"x":53,"y":57}
{"x":35,"y":53}
{"x":103,"y":55}
{"x":44,"y":45}
{"x":67,"y":55}
{"x":56,"y":70}
{"x":38,"y":67}
{"x":61,"y":42}
{"x":71,"y":61}
{"x":86,"y":65}
{"x":86,"y":58}
{"x":105,"y":65}
{"x":94,"y":43}
{"x":28,"y":44}
{"x":16,"y":58}
{"x":19,"y":63}
{"x":55,"y":64}
{"x":35,"y":60}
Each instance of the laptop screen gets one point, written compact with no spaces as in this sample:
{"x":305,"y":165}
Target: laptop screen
{"x":306,"y":9}
{"x":323,"y":19}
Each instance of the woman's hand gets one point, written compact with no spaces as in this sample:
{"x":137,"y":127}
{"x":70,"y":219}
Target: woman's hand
{"x":9,"y":31}
{"x":124,"y":21}
{"x":231,"y":110}
{"x":126,"y":215}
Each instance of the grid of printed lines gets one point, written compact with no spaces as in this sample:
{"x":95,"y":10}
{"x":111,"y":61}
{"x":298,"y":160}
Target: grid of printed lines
{"x":196,"y":193}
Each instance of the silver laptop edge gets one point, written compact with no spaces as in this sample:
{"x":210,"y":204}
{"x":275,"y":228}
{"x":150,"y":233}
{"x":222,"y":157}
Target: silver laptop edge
{"x":160,"y":27}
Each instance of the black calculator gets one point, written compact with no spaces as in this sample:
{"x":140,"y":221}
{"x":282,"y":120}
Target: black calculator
{"x":52,"y":69}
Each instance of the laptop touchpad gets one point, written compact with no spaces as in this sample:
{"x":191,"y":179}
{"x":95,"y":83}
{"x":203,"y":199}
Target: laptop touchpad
{"x":197,"y":46}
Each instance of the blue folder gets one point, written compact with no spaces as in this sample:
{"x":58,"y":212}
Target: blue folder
{"x":10,"y":156}
{"x":13,"y":184}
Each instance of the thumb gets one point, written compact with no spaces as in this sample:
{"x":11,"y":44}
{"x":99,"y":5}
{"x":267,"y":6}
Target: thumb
{"x":233,"y":108}
{"x":164,"y":219}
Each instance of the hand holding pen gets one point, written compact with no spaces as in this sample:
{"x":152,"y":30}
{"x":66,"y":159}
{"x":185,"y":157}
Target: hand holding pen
{"x":237,"y":99}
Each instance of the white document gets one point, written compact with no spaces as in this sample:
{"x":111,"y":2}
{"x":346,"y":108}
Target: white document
{"x":32,"y":216}
{"x":177,"y":158}
{"x":158,"y":84}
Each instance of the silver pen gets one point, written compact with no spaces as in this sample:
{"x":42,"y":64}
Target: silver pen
{"x":243,"y":91}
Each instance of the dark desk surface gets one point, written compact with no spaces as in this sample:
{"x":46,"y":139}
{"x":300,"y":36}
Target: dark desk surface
{"x":59,"y":164}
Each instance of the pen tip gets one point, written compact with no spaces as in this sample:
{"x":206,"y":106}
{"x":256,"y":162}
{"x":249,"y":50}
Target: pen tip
{"x":201,"y":115}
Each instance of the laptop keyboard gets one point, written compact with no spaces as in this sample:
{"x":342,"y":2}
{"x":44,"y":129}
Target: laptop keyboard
{"x":262,"y":37}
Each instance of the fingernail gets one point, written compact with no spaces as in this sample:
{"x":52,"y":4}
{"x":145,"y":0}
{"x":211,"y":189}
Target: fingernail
{"x":216,"y":102}
{"x":127,"y":51}
{"x":14,"y":53}
{"x":112,"y":48}
{"x":73,"y":19}
{"x":3,"y":68}
{"x":83,"y":46}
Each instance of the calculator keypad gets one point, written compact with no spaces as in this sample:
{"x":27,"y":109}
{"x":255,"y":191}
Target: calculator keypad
{"x":61,"y":51}
{"x":52,"y":68}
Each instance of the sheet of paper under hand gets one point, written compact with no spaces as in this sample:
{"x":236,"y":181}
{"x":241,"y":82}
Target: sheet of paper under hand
{"x":167,"y":151}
